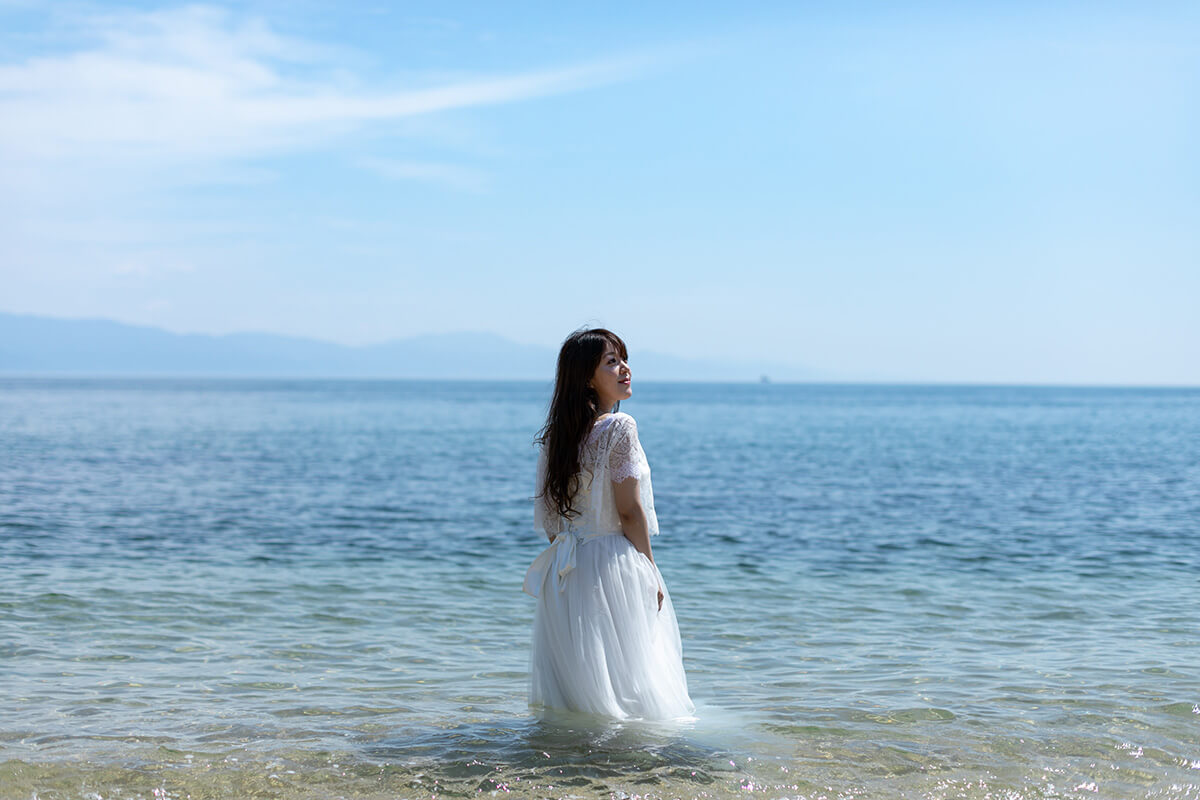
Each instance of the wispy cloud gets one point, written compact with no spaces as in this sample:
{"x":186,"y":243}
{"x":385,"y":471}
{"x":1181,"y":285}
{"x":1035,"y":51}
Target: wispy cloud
{"x":201,"y":82}
{"x":150,"y":265}
{"x":452,"y":176}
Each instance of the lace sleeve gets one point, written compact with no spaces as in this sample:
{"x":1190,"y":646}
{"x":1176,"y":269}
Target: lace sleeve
{"x":545,"y":519}
{"x":625,"y":456}
{"x":626,"y":460}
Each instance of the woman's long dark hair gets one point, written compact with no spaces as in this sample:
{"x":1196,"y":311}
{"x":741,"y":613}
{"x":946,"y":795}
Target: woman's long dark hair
{"x":573,"y":409}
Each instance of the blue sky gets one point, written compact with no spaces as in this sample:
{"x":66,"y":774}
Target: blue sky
{"x":889,"y":191}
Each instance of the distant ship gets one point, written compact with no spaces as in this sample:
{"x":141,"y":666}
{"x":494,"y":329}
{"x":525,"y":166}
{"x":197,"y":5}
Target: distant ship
{"x":764,"y":379}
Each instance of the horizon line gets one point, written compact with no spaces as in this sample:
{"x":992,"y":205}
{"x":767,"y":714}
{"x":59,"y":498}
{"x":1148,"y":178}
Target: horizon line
{"x":930,"y":384}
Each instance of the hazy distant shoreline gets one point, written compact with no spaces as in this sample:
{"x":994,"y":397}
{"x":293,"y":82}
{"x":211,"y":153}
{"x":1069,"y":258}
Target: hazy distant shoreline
{"x":37,"y":347}
{"x":40,"y":346}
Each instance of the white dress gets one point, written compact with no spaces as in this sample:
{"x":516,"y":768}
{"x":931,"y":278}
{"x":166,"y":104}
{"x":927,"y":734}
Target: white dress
{"x":600,"y":643}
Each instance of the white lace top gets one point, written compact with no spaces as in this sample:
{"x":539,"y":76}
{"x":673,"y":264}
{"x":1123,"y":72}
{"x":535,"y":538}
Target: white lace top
{"x":611,"y":453}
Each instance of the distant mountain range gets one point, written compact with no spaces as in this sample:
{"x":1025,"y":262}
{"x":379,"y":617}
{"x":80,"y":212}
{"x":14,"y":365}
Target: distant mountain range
{"x":36,"y":345}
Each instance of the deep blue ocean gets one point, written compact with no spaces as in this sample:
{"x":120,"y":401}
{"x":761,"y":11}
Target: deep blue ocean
{"x":279,"y":589}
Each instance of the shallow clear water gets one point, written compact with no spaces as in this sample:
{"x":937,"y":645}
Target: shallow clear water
{"x":299,"y":589}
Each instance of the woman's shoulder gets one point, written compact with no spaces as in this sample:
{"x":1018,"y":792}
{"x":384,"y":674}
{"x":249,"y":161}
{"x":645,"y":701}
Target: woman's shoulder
{"x":620,"y":428}
{"x":617,"y":420}
{"x":610,"y":427}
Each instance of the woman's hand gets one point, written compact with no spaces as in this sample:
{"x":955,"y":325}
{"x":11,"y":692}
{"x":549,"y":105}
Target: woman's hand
{"x":660,"y":598}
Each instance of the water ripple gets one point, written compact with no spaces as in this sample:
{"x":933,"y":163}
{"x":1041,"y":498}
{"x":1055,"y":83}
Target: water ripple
{"x":285,"y":589}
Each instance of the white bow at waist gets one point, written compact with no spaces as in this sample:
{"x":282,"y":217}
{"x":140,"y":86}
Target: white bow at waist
{"x":559,"y":556}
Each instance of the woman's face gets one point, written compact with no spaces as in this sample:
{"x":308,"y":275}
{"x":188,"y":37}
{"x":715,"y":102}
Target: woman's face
{"x":612,"y":379}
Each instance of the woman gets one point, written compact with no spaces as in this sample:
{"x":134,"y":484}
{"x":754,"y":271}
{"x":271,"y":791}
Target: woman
{"x":605,"y":639}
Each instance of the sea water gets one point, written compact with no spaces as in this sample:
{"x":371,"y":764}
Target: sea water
{"x":313,"y":589}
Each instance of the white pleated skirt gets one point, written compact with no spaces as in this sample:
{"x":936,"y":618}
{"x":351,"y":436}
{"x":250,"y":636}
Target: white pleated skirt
{"x":601,"y":645}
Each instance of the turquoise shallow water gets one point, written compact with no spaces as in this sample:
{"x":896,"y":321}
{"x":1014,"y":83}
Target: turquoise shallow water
{"x":312,"y":589}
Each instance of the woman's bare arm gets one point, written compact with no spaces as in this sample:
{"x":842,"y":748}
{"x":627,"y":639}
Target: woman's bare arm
{"x":633,"y":520}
